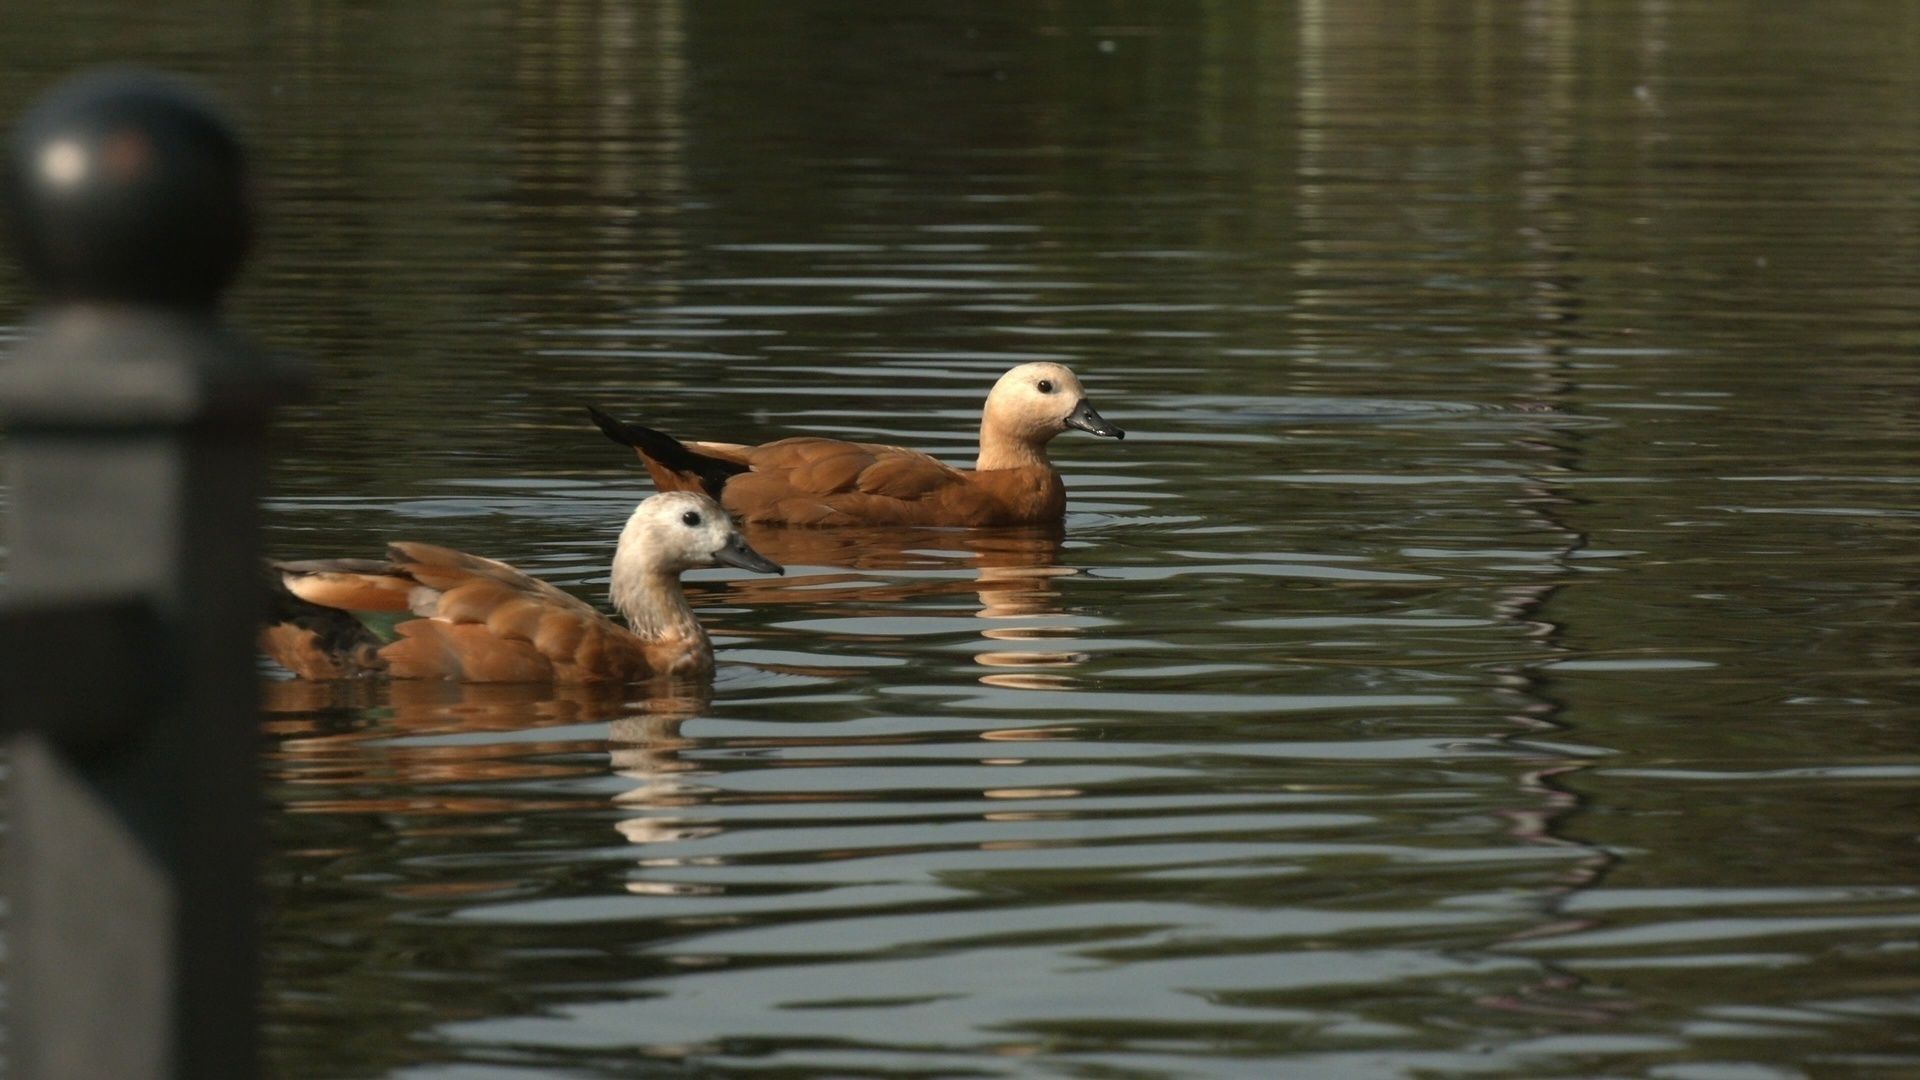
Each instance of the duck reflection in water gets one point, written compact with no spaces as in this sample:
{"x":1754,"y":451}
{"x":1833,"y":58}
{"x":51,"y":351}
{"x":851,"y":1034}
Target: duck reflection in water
{"x":647,"y":747}
{"x":408,"y":738}
{"x":406,"y":749}
{"x":1012,"y":578}
{"x":404,"y":753}
{"x":359,"y":736}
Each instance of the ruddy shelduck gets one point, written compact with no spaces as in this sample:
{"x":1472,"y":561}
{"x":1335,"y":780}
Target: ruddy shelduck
{"x":477,"y":620}
{"x":817,"y":481}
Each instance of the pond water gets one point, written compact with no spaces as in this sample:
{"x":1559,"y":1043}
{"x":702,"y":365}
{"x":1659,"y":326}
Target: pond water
{"x":1491,"y":653}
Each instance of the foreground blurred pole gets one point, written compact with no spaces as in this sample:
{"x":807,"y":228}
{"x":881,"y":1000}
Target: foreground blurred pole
{"x":135,"y":425}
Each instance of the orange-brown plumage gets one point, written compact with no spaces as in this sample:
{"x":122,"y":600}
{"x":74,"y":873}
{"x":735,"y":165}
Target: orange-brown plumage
{"x":351,"y":590}
{"x":483,"y":621}
{"x":304,"y":651}
{"x":817,"y":481}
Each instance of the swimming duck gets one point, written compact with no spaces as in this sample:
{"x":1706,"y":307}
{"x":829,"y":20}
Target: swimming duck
{"x":816,"y":481}
{"x":477,"y":620}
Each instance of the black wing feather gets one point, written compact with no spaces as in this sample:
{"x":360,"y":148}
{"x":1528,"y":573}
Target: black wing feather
{"x":670,"y":452}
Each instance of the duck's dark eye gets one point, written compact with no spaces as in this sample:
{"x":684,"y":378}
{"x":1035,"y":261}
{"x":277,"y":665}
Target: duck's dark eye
{"x":1045,"y":385}
{"x":691,"y":517}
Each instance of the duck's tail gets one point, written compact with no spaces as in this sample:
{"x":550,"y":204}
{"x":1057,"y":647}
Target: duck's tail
{"x":674,"y":465}
{"x":314,"y":641}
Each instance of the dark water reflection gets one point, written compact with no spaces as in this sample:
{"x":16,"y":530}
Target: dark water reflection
{"x":1492,"y":652}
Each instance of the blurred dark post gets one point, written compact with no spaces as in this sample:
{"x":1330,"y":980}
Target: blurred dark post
{"x":136,"y":427}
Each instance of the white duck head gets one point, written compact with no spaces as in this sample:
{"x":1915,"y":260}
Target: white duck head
{"x":669,"y":533}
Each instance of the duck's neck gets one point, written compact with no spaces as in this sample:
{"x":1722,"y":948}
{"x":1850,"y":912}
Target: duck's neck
{"x":999,"y":450}
{"x":654,"y":606}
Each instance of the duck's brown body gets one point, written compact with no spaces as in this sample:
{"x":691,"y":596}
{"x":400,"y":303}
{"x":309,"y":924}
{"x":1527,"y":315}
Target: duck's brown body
{"x":813,"y":481}
{"x":818,"y":481}
{"x":481,"y":621}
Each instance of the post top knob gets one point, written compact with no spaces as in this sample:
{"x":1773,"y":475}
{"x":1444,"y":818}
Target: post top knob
{"x":127,"y":186}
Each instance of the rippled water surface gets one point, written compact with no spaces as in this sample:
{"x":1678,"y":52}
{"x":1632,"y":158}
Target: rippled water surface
{"x":1492,"y":651}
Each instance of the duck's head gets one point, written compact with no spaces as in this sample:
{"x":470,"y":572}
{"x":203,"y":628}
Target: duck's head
{"x":684,"y":530}
{"x":1034,"y":402}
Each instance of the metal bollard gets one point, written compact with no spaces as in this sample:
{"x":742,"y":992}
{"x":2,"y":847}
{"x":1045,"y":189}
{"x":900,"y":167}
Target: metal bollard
{"x":136,"y":426}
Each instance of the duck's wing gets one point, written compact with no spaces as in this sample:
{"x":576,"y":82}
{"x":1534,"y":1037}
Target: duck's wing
{"x":814,"y":481}
{"x":345,"y":584}
{"x":484,"y":621}
{"x":459,"y":587}
{"x":476,"y":620}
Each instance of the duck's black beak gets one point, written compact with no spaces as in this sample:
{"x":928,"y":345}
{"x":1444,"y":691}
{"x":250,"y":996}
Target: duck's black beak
{"x":1085,"y":418}
{"x":737,"y":553}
